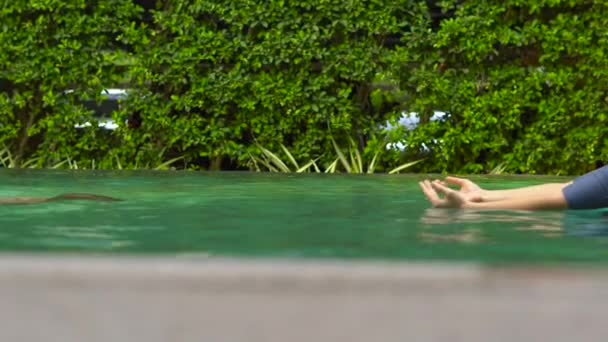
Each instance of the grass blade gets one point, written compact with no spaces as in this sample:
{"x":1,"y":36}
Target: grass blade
{"x":332,"y":167}
{"x":290,"y":156}
{"x":308,"y":165}
{"x":7,"y":160}
{"x":255,"y":163}
{"x":404,"y":166}
{"x":267,"y":165}
{"x":314,"y":163}
{"x":60,"y":164}
{"x":372,"y":165}
{"x":358,"y":158}
{"x":305,"y":167}
{"x":118,"y":163}
{"x":164,"y":165}
{"x":352,"y":164}
{"x":499,"y":169}
{"x":30,"y":162}
{"x":275,"y":160}
{"x":341,"y":156}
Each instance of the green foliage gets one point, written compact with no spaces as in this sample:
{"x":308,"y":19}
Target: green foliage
{"x":209,"y":78}
{"x":524,"y":83}
{"x":7,"y":160}
{"x":274,"y":163}
{"x":353,"y":164}
{"x":53,"y":54}
{"x":213,"y":77}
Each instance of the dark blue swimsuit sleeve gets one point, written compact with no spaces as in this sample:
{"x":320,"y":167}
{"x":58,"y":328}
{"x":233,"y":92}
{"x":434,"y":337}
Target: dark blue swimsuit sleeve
{"x":589,"y":191}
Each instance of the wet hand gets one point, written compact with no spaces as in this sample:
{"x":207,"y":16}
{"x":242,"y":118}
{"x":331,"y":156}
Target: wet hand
{"x":451,"y":198}
{"x":471,"y":191}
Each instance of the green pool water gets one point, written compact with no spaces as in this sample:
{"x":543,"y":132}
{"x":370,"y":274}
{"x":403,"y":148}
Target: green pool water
{"x":285,"y":216}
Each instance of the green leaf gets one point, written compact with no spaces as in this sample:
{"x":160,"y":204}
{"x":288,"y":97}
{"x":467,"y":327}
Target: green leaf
{"x":290,"y":156}
{"x":332,"y":167}
{"x":372,"y":165}
{"x":341,"y":156}
{"x":166,"y":164}
{"x":275,"y":160}
{"x":404,"y":166}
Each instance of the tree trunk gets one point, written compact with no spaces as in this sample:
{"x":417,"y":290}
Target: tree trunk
{"x":216,"y":164}
{"x":27,"y":120}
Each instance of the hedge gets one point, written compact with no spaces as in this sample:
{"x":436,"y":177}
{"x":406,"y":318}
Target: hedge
{"x":523,"y":83}
{"x":54,"y":53}
{"x":207,"y":79}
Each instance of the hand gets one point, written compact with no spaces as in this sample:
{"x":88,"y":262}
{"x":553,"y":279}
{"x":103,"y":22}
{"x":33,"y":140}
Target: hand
{"x":451,"y":198}
{"x":471,"y":191}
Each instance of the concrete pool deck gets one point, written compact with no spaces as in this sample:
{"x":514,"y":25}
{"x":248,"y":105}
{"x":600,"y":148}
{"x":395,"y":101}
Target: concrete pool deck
{"x":77,"y":298}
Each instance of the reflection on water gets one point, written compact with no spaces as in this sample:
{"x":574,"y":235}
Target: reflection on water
{"x":246,"y":214}
{"x":468,"y":225}
{"x":549,"y":223}
{"x":587,"y":223}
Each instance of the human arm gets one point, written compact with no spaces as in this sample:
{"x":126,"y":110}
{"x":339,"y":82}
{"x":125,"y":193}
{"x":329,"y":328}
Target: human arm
{"x":545,"y":196}
{"x":475,"y":193}
{"x":529,"y":191}
{"x":589,"y":191}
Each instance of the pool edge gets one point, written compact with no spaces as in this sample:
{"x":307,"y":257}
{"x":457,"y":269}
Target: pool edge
{"x":72,"y":298}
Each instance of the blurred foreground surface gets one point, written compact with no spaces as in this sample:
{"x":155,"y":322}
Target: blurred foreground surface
{"x":67,"y":299}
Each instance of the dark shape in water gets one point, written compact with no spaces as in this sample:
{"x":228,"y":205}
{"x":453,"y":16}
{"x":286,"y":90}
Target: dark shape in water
{"x":62,"y":197}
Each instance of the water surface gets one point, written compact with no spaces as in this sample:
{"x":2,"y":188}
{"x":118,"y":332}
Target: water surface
{"x":287,"y":216}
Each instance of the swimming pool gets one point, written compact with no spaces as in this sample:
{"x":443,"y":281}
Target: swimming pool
{"x":287,"y":216}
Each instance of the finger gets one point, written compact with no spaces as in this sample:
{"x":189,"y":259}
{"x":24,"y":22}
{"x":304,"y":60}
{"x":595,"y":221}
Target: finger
{"x":442,"y":189}
{"x":429,"y":193}
{"x":452,"y":198}
{"x":427,"y":190}
{"x":437,"y":181}
{"x":456,"y":180}
{"x":437,"y":201}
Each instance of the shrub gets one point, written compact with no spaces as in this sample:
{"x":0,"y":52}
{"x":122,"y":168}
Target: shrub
{"x":53,"y":54}
{"x":524,"y":84}
{"x":215,"y":78}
